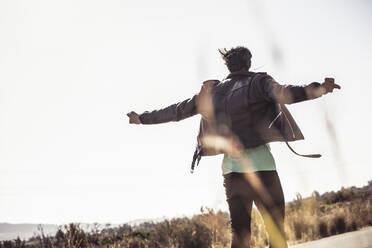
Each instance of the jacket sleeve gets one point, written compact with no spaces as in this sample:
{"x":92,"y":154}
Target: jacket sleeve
{"x":174,"y":112}
{"x":286,"y":94}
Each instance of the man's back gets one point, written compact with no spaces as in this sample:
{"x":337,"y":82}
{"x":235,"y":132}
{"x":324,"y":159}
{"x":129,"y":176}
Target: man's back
{"x":243,"y":108}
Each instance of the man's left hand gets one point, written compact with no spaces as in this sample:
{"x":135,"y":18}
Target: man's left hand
{"x":329,"y":85}
{"x":134,"y":118}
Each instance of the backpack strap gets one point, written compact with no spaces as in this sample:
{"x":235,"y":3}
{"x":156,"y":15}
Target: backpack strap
{"x":196,"y":158}
{"x":281,"y":114}
{"x":303,"y":155}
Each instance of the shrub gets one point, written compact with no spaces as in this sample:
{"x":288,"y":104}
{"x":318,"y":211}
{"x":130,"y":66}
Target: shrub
{"x":322,"y":229}
{"x":340,"y":224}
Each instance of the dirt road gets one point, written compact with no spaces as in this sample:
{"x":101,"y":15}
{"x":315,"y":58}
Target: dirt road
{"x":357,"y":239}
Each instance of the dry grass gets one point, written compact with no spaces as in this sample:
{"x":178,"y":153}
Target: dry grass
{"x":306,"y":219}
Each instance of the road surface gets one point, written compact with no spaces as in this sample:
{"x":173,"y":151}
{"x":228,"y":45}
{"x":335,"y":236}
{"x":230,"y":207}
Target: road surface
{"x":357,"y":239}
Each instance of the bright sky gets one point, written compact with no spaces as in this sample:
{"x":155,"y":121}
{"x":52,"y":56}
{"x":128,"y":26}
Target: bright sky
{"x":70,"y":71}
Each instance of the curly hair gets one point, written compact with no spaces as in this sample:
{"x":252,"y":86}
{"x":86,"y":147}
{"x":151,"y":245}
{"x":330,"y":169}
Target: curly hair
{"x":237,"y":58}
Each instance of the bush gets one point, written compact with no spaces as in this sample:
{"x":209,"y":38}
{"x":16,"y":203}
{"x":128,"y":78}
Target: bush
{"x":322,"y":229}
{"x":340,"y":224}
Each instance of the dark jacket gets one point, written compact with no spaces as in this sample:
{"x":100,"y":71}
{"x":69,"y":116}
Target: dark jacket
{"x":251,"y":106}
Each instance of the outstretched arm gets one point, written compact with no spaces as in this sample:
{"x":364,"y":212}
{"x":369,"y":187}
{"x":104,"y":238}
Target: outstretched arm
{"x":174,"y":112}
{"x":287,"y":94}
{"x":198,"y":104}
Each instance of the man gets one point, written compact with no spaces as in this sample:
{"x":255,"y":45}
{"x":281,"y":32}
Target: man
{"x":240,"y":117}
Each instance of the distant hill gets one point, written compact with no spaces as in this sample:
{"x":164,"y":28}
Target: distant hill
{"x":138,"y":222}
{"x":24,"y":231}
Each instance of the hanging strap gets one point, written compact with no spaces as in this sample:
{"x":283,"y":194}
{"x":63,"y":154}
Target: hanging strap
{"x":303,"y":155}
{"x":281,"y":113}
{"x":195,"y":159}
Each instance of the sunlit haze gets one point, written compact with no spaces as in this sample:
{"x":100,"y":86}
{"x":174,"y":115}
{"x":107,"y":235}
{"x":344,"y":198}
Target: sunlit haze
{"x":71,"y":70}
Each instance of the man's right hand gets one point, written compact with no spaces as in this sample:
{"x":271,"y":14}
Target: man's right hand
{"x":134,"y":118}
